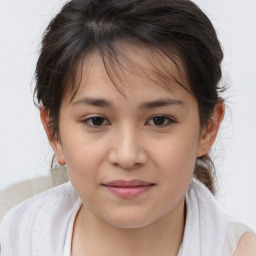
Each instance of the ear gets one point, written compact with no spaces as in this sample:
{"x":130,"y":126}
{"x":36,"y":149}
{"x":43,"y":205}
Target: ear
{"x":53,"y":139}
{"x":210,"y":132}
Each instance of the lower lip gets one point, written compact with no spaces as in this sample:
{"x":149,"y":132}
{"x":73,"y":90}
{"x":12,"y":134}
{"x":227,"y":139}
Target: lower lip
{"x":128,"y":192}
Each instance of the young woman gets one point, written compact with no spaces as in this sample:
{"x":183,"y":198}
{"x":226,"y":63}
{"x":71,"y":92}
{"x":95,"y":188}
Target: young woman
{"x":129,"y":98}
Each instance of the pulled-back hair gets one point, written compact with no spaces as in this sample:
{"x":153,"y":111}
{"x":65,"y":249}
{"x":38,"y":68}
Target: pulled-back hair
{"x":176,"y":28}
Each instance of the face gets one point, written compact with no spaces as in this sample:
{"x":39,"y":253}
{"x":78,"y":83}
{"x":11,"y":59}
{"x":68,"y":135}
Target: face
{"x":130,"y":156}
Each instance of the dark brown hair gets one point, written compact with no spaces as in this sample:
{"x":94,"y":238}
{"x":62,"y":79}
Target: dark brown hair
{"x":176,"y":28}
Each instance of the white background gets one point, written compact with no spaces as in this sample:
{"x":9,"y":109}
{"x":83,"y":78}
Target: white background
{"x":24,"y":151}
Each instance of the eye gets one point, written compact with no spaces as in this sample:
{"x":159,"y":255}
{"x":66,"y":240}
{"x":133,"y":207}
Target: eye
{"x":96,"y":121}
{"x":160,"y":121}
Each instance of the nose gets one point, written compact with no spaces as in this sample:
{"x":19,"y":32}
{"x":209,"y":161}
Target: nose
{"x":127,"y":150}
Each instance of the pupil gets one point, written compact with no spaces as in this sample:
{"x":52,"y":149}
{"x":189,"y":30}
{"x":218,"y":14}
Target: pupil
{"x":97,"y":120}
{"x":159,"y":120}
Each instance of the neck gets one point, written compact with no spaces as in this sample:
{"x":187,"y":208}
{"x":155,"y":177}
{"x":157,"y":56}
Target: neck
{"x":93,"y":236}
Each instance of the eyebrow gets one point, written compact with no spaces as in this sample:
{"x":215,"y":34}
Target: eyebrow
{"x":93,"y":102}
{"x":160,"y":103}
{"x":99,"y":102}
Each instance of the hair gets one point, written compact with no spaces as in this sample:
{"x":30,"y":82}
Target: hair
{"x":176,"y":28}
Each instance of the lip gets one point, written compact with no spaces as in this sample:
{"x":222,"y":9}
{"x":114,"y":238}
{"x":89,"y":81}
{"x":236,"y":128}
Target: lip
{"x":127,"y":183}
{"x":128,"y":188}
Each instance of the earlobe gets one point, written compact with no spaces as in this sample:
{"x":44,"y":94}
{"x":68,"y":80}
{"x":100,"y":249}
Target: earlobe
{"x":210,"y":132}
{"x":53,"y":140}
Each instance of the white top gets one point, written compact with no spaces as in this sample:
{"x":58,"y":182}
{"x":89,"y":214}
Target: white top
{"x":68,"y":240}
{"x":233,"y":233}
{"x":43,"y":225}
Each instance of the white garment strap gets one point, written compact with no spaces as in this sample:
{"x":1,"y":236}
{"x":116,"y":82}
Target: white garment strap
{"x":205,"y":224}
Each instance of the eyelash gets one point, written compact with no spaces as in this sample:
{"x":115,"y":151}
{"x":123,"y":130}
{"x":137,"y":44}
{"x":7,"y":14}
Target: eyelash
{"x":89,"y":121}
{"x":167,"y":119}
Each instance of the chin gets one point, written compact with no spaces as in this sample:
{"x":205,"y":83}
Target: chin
{"x":129,"y":221}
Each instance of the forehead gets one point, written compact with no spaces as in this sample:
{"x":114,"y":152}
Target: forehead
{"x":126,"y":66}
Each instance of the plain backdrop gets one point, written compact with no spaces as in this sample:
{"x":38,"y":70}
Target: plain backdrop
{"x":24,"y":151}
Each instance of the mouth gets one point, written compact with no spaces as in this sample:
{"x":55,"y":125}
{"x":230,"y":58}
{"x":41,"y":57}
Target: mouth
{"x":128,"y":189}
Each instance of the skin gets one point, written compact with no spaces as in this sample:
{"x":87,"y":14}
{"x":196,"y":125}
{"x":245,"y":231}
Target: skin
{"x":246,"y":245}
{"x":128,"y":145}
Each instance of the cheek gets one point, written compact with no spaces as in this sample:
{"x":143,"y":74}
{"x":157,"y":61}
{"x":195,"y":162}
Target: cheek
{"x":83,"y":152}
{"x":176,"y":153}
{"x":175,"y":159}
{"x":83,"y":160}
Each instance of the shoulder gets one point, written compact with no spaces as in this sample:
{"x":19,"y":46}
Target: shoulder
{"x":57,"y":193}
{"x":240,"y":240}
{"x":246,"y":245}
{"x":37,"y":213}
{"x":47,"y":201}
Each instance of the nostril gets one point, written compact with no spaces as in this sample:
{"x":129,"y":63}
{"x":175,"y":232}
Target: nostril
{"x":127,"y":154}
{"x":127,"y":165}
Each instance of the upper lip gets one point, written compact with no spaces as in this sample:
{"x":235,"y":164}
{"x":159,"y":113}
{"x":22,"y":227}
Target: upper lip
{"x":127,"y":183}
